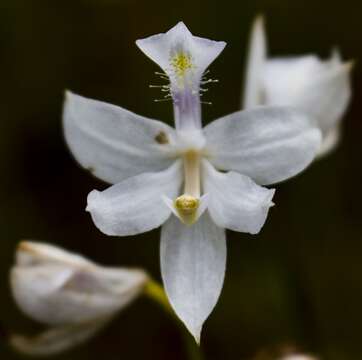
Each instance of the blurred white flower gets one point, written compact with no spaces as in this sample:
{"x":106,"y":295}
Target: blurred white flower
{"x":320,"y":88}
{"x":159,"y":170}
{"x":68,"y":292}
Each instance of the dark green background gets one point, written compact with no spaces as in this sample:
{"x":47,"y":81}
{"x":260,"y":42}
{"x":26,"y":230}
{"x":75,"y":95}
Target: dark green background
{"x":299,"y":281}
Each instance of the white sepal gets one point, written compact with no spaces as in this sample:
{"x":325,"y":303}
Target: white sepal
{"x":114,"y":143}
{"x":193,"y":260}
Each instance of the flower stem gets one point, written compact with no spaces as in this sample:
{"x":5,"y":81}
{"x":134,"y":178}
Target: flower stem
{"x":156,"y":292}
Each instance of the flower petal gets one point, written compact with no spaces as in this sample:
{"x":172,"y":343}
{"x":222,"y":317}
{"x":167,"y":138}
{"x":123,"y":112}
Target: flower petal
{"x":57,"y":339}
{"x":193,"y":262}
{"x":268,"y":144}
{"x":58,"y":290}
{"x":135,"y":205}
{"x":253,"y":91}
{"x":284,"y":79}
{"x":235,"y":201}
{"x":161,"y":47}
{"x":32,"y":253}
{"x":321,"y":89}
{"x":184,"y":58}
{"x":114,"y":143}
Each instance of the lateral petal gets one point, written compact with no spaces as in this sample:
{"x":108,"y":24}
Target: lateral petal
{"x":235,"y":201}
{"x":268,"y":144}
{"x":135,"y":205}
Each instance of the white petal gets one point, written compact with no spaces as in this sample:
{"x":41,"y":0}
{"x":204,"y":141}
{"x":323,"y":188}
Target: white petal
{"x":31,"y":253}
{"x":327,"y":99}
{"x":161,"y":47}
{"x":253,"y":91}
{"x":268,"y":144}
{"x":135,"y":205}
{"x":57,"y":292}
{"x":321,"y":89}
{"x":57,"y":339}
{"x":114,"y":143}
{"x":193,"y":266}
{"x":284,"y":79}
{"x":235,"y":201}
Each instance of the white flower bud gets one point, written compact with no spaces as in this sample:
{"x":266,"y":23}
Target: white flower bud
{"x":68,"y":292}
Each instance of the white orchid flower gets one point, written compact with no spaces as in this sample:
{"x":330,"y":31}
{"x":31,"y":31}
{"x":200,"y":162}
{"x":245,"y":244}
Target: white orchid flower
{"x":320,"y":88}
{"x":208,"y":178}
{"x":68,"y":292}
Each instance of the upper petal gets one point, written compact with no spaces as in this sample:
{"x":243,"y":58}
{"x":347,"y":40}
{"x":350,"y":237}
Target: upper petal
{"x":135,"y":205}
{"x":253,"y":90}
{"x":114,"y":143}
{"x":193,"y":262}
{"x":161,"y":48}
{"x":235,"y":202}
{"x":268,"y":144}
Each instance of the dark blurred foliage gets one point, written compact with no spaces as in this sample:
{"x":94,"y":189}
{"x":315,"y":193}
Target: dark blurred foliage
{"x":299,"y":281}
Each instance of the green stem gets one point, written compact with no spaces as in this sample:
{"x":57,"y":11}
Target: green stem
{"x":156,"y":292}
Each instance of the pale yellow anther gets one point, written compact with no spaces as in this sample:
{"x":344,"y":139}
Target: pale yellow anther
{"x":186,"y":206}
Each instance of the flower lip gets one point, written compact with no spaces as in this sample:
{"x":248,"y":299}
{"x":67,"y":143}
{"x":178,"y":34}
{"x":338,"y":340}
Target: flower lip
{"x":184,"y":59}
{"x":182,"y":66}
{"x":180,"y":53}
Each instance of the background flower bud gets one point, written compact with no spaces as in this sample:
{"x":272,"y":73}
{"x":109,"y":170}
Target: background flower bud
{"x":69,"y":292}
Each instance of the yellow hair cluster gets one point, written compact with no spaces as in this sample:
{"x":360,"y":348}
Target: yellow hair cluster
{"x":181,"y":63}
